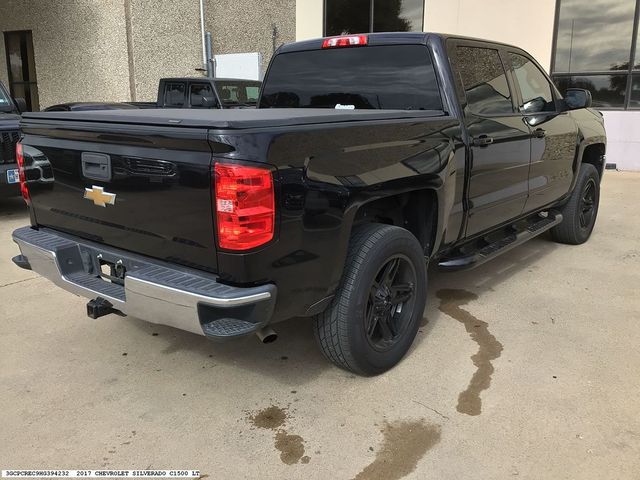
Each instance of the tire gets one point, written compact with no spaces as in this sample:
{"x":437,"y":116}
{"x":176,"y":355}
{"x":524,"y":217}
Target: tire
{"x":581,"y":211}
{"x":372,"y":322}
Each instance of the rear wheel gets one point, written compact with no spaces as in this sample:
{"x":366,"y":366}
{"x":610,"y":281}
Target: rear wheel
{"x":375,"y":314}
{"x":581,"y":211}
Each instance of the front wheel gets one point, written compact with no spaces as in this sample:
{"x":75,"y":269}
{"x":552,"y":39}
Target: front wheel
{"x":580,"y":212}
{"x":375,"y":314}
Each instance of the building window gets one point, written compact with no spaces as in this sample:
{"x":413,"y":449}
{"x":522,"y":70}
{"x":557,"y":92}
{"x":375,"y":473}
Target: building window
{"x":22,"y":68}
{"x":596,"y":49}
{"x":363,"y":16}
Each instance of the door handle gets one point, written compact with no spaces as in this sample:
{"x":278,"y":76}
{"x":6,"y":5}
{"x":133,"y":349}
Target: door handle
{"x":539,"y":133}
{"x":482,"y":141}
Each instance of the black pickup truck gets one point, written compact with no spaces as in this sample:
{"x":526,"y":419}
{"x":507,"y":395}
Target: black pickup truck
{"x":9,"y":135}
{"x":369,"y":157}
{"x":183,"y":92}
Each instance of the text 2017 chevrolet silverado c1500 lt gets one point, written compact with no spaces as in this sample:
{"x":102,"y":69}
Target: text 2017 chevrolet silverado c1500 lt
{"x":368,"y":157}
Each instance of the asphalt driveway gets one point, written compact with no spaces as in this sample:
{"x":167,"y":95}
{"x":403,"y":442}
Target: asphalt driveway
{"x":527,"y":367}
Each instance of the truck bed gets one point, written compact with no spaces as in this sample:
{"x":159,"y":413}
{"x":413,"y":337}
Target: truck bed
{"x":228,"y":119}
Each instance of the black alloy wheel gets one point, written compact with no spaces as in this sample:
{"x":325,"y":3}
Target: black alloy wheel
{"x":391,"y":299}
{"x":588,"y":204}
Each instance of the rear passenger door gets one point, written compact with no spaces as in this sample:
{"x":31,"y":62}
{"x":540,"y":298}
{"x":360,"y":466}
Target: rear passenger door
{"x":499,"y":138}
{"x":554,"y":134}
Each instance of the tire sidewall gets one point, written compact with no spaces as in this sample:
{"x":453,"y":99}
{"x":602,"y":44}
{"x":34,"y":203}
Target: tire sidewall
{"x":368,"y":359}
{"x":587,"y":173}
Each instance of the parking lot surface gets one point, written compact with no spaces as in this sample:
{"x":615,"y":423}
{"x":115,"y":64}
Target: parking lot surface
{"x":526,"y":367}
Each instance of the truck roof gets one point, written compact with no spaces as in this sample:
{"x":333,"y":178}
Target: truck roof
{"x":386,"y":38}
{"x":215,"y":79}
{"x":226,"y":119}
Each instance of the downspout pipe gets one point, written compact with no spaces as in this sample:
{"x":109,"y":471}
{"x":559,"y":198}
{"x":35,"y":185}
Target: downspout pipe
{"x":211,"y":61}
{"x":204,"y":47}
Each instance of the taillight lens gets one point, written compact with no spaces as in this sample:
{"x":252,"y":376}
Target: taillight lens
{"x":24,"y":189}
{"x":245,"y":206}
{"x":345,"y":41}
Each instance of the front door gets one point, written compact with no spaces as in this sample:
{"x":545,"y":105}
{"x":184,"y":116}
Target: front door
{"x":500,"y":139}
{"x":554,"y":134}
{"x":22,"y":68}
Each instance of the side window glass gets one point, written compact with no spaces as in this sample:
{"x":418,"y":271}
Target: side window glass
{"x":174,"y":94}
{"x":534,"y":86}
{"x":252,"y":94}
{"x":202,"y":96}
{"x":484,"y":80}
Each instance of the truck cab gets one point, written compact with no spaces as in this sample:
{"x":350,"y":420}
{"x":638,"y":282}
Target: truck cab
{"x":207,"y":93}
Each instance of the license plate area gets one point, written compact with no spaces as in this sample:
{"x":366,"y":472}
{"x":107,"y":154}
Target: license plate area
{"x":113,"y":272}
{"x":13,"y":176}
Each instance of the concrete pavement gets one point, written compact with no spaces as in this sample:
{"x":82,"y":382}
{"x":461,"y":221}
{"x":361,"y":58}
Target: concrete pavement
{"x":527,"y":367}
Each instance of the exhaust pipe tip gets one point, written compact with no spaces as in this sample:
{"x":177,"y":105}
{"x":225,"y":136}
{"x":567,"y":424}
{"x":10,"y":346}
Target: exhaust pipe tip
{"x":267,"y":335}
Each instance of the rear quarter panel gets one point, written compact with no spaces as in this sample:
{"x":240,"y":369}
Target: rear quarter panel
{"x":325,"y":173}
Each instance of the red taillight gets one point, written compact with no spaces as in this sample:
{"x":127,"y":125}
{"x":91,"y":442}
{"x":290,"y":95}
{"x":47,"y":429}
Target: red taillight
{"x":345,"y":41}
{"x":23,"y":179}
{"x":245,"y":206}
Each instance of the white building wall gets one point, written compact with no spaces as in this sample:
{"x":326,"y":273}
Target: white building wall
{"x":623,"y":139}
{"x":309,"y":19}
{"x":524,"y":23}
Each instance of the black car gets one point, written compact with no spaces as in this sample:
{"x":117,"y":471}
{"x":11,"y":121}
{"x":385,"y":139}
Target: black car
{"x":9,"y":135}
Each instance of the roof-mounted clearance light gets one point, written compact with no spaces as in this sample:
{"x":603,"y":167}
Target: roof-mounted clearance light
{"x":345,"y":41}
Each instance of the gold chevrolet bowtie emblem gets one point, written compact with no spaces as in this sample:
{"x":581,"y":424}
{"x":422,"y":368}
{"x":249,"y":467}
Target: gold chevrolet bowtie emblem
{"x":99,"y":197}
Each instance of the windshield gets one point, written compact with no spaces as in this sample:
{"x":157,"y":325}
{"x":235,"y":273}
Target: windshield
{"x":238,"y":92}
{"x":395,"y":77}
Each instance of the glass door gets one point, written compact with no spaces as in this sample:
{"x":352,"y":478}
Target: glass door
{"x":22,"y":68}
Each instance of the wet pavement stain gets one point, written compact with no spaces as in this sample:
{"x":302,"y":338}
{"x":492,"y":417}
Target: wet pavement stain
{"x":269,"y":418}
{"x":451,"y":303}
{"x":404,"y":444}
{"x":291,"y":447}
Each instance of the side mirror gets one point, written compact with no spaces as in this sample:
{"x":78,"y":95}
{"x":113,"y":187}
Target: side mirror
{"x":21,"y":104}
{"x":578,"y":98}
{"x":534,"y":106}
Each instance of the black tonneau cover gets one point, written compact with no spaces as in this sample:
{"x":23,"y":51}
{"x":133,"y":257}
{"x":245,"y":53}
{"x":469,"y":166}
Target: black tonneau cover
{"x":227,"y":119}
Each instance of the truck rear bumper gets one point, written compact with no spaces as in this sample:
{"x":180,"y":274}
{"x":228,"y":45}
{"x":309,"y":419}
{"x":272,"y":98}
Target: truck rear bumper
{"x":150,"y":290}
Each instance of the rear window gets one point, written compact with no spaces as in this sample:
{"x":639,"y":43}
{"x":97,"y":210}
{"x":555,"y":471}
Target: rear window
{"x":374,"y":77}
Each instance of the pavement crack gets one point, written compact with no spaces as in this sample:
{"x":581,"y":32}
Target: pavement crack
{"x":451,"y":303}
{"x":432,"y":409}
{"x":18,"y":281}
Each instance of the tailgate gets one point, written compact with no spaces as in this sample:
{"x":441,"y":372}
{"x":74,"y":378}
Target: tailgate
{"x":146,"y":189}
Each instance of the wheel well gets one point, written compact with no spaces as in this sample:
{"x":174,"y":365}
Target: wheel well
{"x":594,"y":154}
{"x":416,"y":211}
